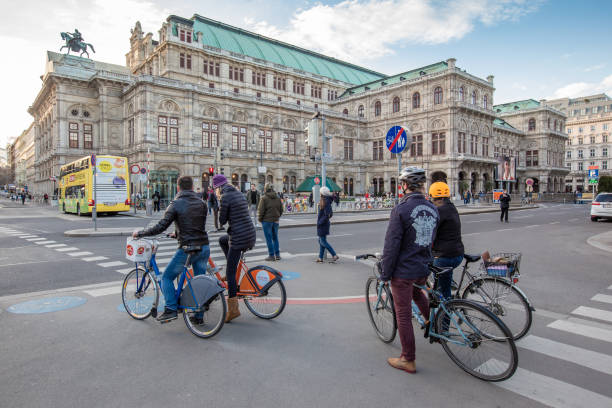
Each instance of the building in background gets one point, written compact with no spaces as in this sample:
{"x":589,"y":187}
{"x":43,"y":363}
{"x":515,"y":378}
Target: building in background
{"x":22,"y":159}
{"x":589,"y":119}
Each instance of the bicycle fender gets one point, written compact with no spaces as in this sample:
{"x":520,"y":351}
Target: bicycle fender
{"x":519,"y":290}
{"x":261,"y":277}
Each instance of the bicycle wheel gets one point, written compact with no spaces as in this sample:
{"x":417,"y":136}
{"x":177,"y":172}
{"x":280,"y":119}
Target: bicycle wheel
{"x":139,"y":293}
{"x":270,"y":304}
{"x":208,"y":322}
{"x":476,"y":340}
{"x":504,"y":300}
{"x":381,"y":311}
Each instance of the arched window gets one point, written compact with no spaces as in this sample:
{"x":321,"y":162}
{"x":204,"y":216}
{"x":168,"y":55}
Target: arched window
{"x":416,"y":100}
{"x":531,"y":124}
{"x":377,"y":108}
{"x":474,"y":97}
{"x":292,"y":184}
{"x":461,"y":94}
{"x":438,"y":95}
{"x":285,"y":184}
{"x":360,"y":111}
{"x":243,"y":180}
{"x":485,"y":102}
{"x":396,"y":104}
{"x":345,"y":111}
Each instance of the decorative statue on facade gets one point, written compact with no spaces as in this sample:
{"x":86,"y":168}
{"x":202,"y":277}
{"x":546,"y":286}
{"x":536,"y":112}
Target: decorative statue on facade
{"x":74,"y":42}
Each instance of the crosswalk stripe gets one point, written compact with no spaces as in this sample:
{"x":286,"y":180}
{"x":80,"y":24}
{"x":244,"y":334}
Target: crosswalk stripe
{"x":109,"y":264}
{"x":583,"y":330}
{"x":35,"y":239}
{"x":45,"y":242}
{"x":602,"y":298}
{"x":126,"y":270}
{"x":94,"y":258}
{"x":67,"y":249}
{"x":113,"y":290}
{"x":587,"y":358}
{"x":552,"y":392}
{"x":55,"y":245}
{"x":28,"y":236}
{"x":593,"y":313}
{"x":80,"y":253}
{"x":214,"y":254}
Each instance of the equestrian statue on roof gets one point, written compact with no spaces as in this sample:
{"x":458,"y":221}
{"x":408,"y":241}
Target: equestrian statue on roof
{"x":74,"y":42}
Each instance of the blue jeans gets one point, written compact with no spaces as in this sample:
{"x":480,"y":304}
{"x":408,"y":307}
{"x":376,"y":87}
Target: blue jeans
{"x":323,"y":245}
{"x":175,"y":268}
{"x":270,"y":230}
{"x":445,"y":280}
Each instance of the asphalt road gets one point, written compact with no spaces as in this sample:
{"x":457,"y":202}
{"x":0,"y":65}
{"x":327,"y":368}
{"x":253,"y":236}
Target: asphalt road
{"x":323,"y":354}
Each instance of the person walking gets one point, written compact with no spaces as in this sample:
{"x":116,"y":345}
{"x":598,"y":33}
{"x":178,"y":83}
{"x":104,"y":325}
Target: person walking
{"x":156,"y":201}
{"x":447,"y":247}
{"x":269,"y":212}
{"x":23,"y":197}
{"x":213,"y":204}
{"x":504,"y":204}
{"x":240,"y":236}
{"x":406,"y":255}
{"x":323,"y":224}
{"x":252,"y":198}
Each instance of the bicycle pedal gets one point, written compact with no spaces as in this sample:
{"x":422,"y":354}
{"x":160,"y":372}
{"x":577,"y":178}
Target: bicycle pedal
{"x":167,"y":320}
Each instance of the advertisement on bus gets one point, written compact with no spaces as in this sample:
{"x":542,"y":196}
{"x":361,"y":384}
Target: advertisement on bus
{"x":111,"y":180}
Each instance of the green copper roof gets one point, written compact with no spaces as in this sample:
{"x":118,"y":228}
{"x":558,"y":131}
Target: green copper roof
{"x":504,"y":124}
{"x":415,"y":73}
{"x":226,"y":37}
{"x":516,"y":106}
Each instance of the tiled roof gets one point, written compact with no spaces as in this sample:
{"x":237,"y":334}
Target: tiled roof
{"x":233,"y":39}
{"x":516,"y":106}
{"x":389,"y":80}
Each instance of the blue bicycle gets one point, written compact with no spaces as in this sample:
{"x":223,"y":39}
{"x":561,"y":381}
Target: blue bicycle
{"x":470,"y":334}
{"x":200,"y":298}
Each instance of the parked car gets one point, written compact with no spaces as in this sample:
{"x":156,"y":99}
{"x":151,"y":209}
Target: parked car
{"x":601,"y":207}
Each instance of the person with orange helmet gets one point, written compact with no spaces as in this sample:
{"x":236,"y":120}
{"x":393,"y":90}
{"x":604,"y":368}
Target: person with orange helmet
{"x":447,"y":247}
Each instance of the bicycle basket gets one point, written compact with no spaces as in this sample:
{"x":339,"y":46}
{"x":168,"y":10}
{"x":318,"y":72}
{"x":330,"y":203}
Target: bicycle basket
{"x":502,"y":265}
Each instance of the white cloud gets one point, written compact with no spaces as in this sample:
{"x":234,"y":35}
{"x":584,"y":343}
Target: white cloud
{"x":594,"y":67}
{"x":363,"y":30}
{"x":577,"y":89}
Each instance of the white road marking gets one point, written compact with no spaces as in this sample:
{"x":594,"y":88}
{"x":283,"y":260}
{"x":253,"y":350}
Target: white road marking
{"x":35,"y":239}
{"x":532,"y":226}
{"x":80,"y":253}
{"x":67,"y":249}
{"x":113,"y":263}
{"x":45,"y":242}
{"x":9,"y":298}
{"x":471,"y":233}
{"x":55,"y":245}
{"x":586,"y":358}
{"x":555,"y":222}
{"x":505,"y":229}
{"x":126,"y":270}
{"x":113,"y":290}
{"x":552,"y":392}
{"x":28,"y":236}
{"x":583,"y":330}
{"x":602,"y":298}
{"x":315,"y":237}
{"x":94,"y":258}
{"x":593,"y":313}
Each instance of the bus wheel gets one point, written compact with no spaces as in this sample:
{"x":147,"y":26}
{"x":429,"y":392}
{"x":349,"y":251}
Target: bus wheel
{"x":78,"y":210}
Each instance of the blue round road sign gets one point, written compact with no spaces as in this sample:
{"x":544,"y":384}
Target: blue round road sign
{"x":143,"y":170}
{"x":397,"y":139}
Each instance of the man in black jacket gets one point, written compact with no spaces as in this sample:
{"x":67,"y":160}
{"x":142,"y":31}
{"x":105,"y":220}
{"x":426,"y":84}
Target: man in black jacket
{"x":188,"y":212}
{"x":240,"y":235}
{"x":252,"y":198}
{"x":504,"y":203}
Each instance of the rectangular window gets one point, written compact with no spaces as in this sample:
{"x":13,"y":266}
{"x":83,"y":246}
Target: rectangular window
{"x":592,"y":153}
{"x":162,"y":135}
{"x":210,"y":135}
{"x":239,"y":138}
{"x":315,"y":91}
{"x":580,"y":166}
{"x":182,"y":60}
{"x":265,"y":141}
{"x":568,"y":154}
{"x":605,"y":126}
{"x":298,"y":88}
{"x":416,"y":148}
{"x":289,"y":143}
{"x":580,"y":154}
{"x":188,"y":61}
{"x":579,"y":140}
{"x":377,"y":150}
{"x":485,"y":147}
{"x":211,"y":68}
{"x":167,"y":125}
{"x":280,"y":83}
{"x":569,"y":131}
{"x":604,"y":152}
{"x":461,"y":144}
{"x":348,"y":149}
{"x":332,"y":95}
{"x":73,"y":135}
{"x":604,"y":165}
{"x":592,"y":139}
{"x":131,"y":132}
{"x":604,"y":138}
{"x":88,"y":136}
{"x":259,"y":79}
{"x":182,"y":35}
{"x":474,"y":144}
{"x":236,"y":74}
{"x":438,"y":143}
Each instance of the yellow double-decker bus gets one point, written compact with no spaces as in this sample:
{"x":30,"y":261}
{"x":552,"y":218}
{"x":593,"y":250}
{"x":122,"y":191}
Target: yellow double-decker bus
{"x":112,"y":185}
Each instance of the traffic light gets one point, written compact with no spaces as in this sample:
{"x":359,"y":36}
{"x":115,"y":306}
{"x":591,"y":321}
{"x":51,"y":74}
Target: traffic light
{"x":211,"y":171}
{"x":220,"y":153}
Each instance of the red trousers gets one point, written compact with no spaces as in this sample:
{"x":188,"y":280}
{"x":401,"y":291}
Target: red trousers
{"x":404,"y":292}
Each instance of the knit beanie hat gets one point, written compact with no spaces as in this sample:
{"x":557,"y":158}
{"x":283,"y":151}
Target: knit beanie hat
{"x":219,"y":180}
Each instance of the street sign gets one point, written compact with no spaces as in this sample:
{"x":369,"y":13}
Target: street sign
{"x":143,"y":170}
{"x":529,"y":182}
{"x":593,"y":174}
{"x":93,"y":159}
{"x":317,"y":180}
{"x":134,"y":169}
{"x":262,"y":169}
{"x":326,"y":157}
{"x":397,"y":139}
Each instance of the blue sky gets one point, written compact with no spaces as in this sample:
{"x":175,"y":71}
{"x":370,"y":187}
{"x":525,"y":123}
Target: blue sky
{"x":534,"y":48}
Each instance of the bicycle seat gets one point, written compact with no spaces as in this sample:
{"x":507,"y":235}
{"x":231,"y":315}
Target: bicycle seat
{"x":190,"y":249}
{"x":471,"y":258}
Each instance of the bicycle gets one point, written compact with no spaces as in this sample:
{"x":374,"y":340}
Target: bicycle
{"x":471,"y":335}
{"x":203,"y":305}
{"x":261,"y":287}
{"x":496,"y":289}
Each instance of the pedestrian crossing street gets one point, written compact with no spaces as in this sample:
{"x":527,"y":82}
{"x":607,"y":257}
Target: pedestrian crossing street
{"x":167,"y":248}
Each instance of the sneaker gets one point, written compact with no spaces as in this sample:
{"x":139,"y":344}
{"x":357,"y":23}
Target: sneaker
{"x":167,"y":316}
{"x":270,"y":258}
{"x":319,"y":260}
{"x":278,"y":258}
{"x":334,"y":258}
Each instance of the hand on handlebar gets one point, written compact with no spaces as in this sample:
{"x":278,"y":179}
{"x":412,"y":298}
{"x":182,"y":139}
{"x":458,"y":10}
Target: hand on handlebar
{"x":135,"y":234}
{"x":171,"y":235}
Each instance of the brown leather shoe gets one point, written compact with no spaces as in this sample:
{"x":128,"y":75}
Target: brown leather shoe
{"x":402,"y":364}
{"x":233,"y":310}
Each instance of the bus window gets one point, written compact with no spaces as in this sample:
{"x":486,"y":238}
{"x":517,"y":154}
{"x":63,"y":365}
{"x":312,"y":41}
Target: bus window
{"x":82,"y":191}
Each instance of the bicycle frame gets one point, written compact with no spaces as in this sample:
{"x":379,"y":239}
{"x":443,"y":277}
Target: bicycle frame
{"x":242,"y":272}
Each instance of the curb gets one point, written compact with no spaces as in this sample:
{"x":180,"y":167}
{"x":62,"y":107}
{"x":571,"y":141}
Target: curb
{"x":595,"y":241}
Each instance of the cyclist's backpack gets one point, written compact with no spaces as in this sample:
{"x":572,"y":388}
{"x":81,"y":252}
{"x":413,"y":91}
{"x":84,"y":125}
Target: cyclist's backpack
{"x":204,"y":288}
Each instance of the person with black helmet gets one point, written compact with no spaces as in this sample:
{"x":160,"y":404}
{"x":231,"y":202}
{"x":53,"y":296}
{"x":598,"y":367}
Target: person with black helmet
{"x":406,"y":255}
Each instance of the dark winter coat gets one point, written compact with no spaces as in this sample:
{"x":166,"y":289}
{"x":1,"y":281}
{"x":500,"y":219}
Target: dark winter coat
{"x":411,"y":231}
{"x":249,"y":197}
{"x":504,"y":201}
{"x":235,"y":211}
{"x":188,"y":212}
{"x":325,"y":214}
{"x":213,"y":202}
{"x":448,"y":242}
{"x":270,"y":208}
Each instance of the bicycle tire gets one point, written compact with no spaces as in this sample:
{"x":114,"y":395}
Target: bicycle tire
{"x":278,"y":300}
{"x":213,"y":317}
{"x":520,"y":322}
{"x":143,"y":303}
{"x":383,"y":318}
{"x":475,"y":320}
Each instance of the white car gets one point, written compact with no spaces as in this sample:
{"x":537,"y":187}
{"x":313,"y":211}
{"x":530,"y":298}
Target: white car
{"x":601,"y":207}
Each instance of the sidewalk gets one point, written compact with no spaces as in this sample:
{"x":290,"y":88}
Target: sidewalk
{"x":294,"y":221}
{"x":602,"y":241}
